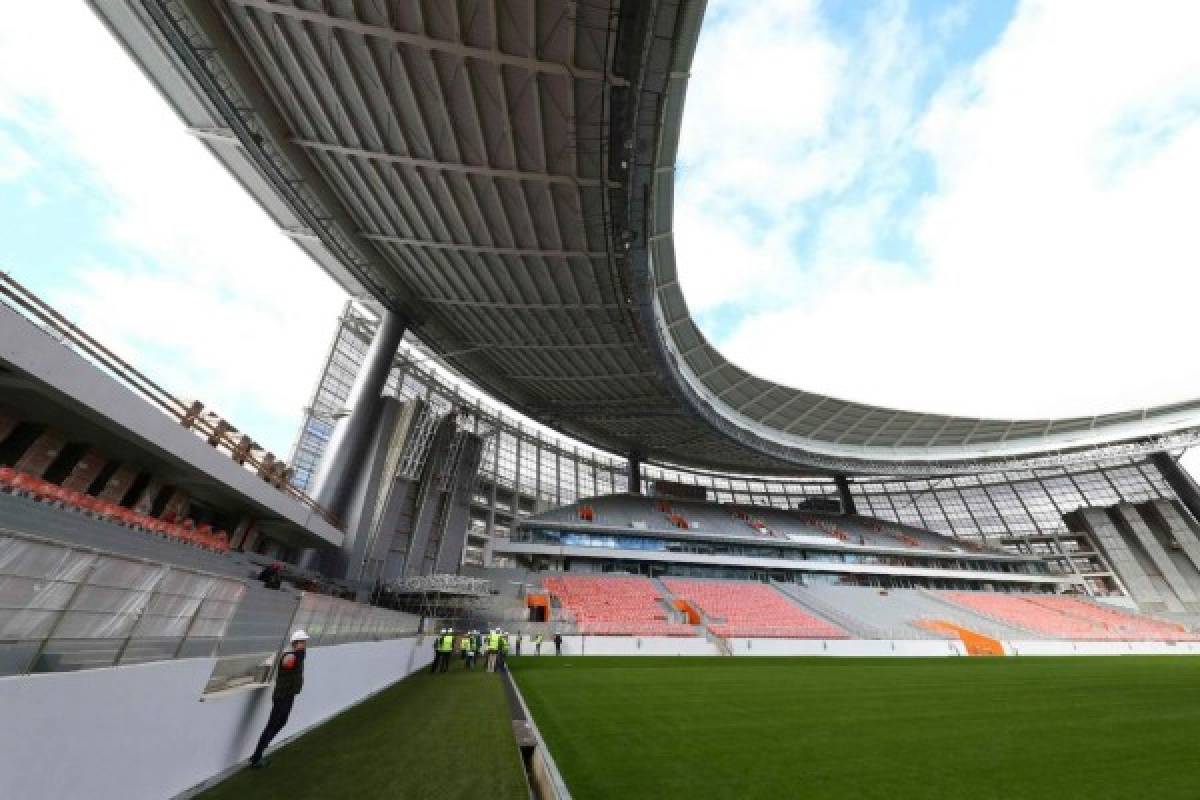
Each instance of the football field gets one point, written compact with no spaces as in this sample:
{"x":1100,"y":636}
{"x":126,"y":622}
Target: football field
{"x":1123,"y":727}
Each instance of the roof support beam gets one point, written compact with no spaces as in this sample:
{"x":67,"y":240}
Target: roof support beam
{"x":445,"y":166}
{"x":426,"y":244}
{"x":428,"y":43}
{"x":554,"y":348}
{"x":576,"y":378}
{"x":440,"y":301}
{"x":215,"y":135}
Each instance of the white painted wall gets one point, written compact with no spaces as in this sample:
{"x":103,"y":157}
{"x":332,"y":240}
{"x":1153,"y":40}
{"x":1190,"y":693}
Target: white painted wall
{"x":1049,"y":647}
{"x":630,"y":646}
{"x":864,"y":648}
{"x":847,"y":647}
{"x":147,"y":731}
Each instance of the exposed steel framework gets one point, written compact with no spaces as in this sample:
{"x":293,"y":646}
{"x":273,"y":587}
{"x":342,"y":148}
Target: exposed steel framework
{"x":501,"y":172}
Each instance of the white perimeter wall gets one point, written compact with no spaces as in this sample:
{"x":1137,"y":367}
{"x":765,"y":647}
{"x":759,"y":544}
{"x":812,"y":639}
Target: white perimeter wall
{"x":1065,"y":648}
{"x":147,"y":731}
{"x":847,"y":647}
{"x":905,"y":648}
{"x":628,"y":646}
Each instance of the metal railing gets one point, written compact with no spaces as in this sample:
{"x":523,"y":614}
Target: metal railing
{"x":218,"y":432}
{"x":66,"y":608}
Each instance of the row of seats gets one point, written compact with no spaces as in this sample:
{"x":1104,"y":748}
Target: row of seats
{"x":751,"y":610}
{"x":615,"y":606}
{"x":24,"y":484}
{"x":1069,"y":618}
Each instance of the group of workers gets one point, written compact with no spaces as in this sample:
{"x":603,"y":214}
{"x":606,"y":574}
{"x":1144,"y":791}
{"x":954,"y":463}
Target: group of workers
{"x":491,"y":648}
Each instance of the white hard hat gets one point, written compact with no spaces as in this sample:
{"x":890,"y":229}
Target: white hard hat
{"x":299,"y":635}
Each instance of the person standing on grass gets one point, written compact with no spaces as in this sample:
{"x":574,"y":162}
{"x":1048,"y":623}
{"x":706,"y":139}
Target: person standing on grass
{"x":289,"y":680}
{"x":447,"y":648}
{"x":464,"y":647}
{"x":493,"y":646}
{"x":443,"y":648}
{"x":502,"y":653}
{"x":518,"y":643}
{"x":557,"y":643}
{"x":468,"y":651}
{"x":537,"y":644}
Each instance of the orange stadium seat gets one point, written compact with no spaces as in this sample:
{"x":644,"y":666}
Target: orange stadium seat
{"x":615,"y":606}
{"x":752,"y":610}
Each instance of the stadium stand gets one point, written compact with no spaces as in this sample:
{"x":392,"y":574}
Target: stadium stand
{"x":185,"y":532}
{"x":1069,"y":618}
{"x":644,"y":513}
{"x":751,"y":610}
{"x":892,"y":613}
{"x":615,"y":606}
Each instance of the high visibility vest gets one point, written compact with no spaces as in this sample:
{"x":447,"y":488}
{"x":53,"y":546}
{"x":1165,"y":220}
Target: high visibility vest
{"x":446,"y":643}
{"x":464,"y":643}
{"x":493,"y":641}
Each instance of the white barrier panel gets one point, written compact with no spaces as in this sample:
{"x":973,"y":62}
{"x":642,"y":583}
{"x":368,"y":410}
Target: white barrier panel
{"x":695,"y":646}
{"x":858,"y":648}
{"x":145,"y":732}
{"x":631,"y":646}
{"x":1052,"y":647}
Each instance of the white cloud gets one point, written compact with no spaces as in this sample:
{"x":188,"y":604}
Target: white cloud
{"x":15,"y":162}
{"x":204,"y":292}
{"x":1055,"y":267}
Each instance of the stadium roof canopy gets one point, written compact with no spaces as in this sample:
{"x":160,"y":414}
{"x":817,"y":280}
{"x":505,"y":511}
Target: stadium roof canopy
{"x":501,"y":172}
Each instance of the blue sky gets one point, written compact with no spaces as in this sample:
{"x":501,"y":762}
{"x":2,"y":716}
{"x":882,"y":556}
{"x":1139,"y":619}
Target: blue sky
{"x":901,"y":187}
{"x":978,"y":208}
{"x":117,"y":216}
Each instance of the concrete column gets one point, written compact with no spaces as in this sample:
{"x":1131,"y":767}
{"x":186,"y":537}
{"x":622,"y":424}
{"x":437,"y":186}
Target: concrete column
{"x":343,"y":459}
{"x":1180,"y":481}
{"x":843,"y":490}
{"x":635,"y":473}
{"x":1157,"y":553}
{"x":1124,"y":562}
{"x":1178,"y":527}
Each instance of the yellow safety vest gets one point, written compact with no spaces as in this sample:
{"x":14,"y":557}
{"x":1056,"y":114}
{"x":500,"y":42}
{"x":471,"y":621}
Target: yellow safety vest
{"x":446,"y":643}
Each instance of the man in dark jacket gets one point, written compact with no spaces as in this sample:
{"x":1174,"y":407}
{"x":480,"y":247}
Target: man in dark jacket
{"x":289,"y":680}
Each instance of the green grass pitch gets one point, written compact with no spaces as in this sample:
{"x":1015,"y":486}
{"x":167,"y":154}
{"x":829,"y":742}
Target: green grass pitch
{"x":429,"y":737}
{"x":1124,"y":727}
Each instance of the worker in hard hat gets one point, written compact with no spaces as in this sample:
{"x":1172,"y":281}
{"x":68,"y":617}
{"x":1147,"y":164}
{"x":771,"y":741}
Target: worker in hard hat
{"x":443,"y":649}
{"x":502,"y":653}
{"x":493,"y":647}
{"x":289,"y":680}
{"x":466,"y":647}
{"x":478,"y":649}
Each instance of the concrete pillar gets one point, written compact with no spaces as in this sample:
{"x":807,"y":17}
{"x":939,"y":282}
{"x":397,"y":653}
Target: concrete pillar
{"x":1158,"y":555}
{"x":1170,"y":518}
{"x":843,"y":490}
{"x":85,"y":471}
{"x":635,"y":473}
{"x":343,"y":460}
{"x":1180,"y":481}
{"x":41,"y":454}
{"x":119,"y":483}
{"x":8,"y":422}
{"x":1106,"y":536}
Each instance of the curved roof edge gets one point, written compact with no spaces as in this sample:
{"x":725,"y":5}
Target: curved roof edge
{"x":809,"y":429}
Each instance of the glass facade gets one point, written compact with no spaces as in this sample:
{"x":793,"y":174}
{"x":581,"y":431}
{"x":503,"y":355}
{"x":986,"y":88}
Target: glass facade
{"x":697,"y":546}
{"x":527,"y":468}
